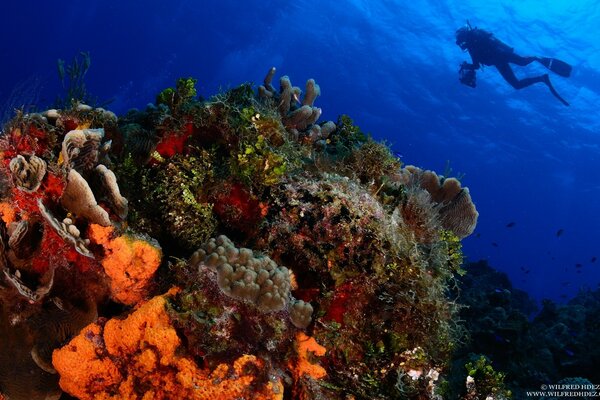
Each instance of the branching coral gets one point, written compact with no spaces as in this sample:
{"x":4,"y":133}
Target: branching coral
{"x":299,"y":117}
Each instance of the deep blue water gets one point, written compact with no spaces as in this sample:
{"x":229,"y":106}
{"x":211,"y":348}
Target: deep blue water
{"x":390,"y":65}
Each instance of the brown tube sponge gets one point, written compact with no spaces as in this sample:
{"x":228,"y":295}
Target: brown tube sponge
{"x":79,"y":199}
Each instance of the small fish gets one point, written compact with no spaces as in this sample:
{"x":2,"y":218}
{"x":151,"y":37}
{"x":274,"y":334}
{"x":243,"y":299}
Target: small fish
{"x":511,"y":224}
{"x":578,"y":271}
{"x":499,"y":291}
{"x":566,"y":283}
{"x":563,"y":296}
{"x":570,"y":353}
{"x":578,"y":265}
{"x":528,"y":271}
{"x":499,"y":338}
{"x":573,"y":333}
{"x":478,"y":235}
{"x":593,"y":259}
{"x":494,"y":244}
{"x":560,"y":232}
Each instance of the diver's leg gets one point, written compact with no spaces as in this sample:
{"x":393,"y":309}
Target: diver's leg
{"x":522,"y":61}
{"x":553,"y":91}
{"x":509,"y":76}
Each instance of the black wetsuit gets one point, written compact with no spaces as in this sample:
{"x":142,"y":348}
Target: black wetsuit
{"x":485,"y":49}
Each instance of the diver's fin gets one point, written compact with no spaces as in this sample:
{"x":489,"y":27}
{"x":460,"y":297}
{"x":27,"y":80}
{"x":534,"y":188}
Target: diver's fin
{"x":554,"y":92}
{"x":557,"y":66}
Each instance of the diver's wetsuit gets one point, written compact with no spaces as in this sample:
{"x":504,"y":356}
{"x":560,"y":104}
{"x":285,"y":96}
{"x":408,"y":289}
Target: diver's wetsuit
{"x":485,"y":49}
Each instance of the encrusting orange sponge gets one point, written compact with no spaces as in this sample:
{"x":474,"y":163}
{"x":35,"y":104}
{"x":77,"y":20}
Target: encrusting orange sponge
{"x":129,"y":262}
{"x":7,"y":214}
{"x":139,"y":358}
{"x":305,"y":345}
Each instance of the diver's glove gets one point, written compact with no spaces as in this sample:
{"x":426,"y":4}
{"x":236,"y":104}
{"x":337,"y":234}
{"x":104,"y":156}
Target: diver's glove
{"x":467,"y":75}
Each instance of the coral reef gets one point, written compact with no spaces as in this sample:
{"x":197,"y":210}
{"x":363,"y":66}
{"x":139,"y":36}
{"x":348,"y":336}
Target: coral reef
{"x":297,"y":257}
{"x":53,"y":282}
{"x":556,"y":343}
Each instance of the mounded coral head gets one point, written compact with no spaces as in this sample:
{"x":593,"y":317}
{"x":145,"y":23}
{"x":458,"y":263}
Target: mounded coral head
{"x":329,"y":225}
{"x":371,"y":161}
{"x":257,"y":279}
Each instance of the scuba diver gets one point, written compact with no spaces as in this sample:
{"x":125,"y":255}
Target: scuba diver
{"x":485,"y":49}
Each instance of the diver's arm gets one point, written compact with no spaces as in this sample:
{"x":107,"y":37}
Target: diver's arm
{"x":475,"y":64}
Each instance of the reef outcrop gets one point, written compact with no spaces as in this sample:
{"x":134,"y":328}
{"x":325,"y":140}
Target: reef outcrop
{"x":233,"y":247}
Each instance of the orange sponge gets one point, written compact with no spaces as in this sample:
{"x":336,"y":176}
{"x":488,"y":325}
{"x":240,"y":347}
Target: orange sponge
{"x":129,"y":262}
{"x":7,"y":214}
{"x":306,"y":345}
{"x":83,"y":370}
{"x":140,"y":358}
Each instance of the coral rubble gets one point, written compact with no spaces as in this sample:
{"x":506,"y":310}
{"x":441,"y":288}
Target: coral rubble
{"x":298,"y":258}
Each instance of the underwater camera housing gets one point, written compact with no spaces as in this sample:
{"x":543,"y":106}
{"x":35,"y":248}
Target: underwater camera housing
{"x":467,"y":75}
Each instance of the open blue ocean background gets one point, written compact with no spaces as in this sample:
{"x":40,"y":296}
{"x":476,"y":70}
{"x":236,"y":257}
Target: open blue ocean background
{"x":529,"y":161}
